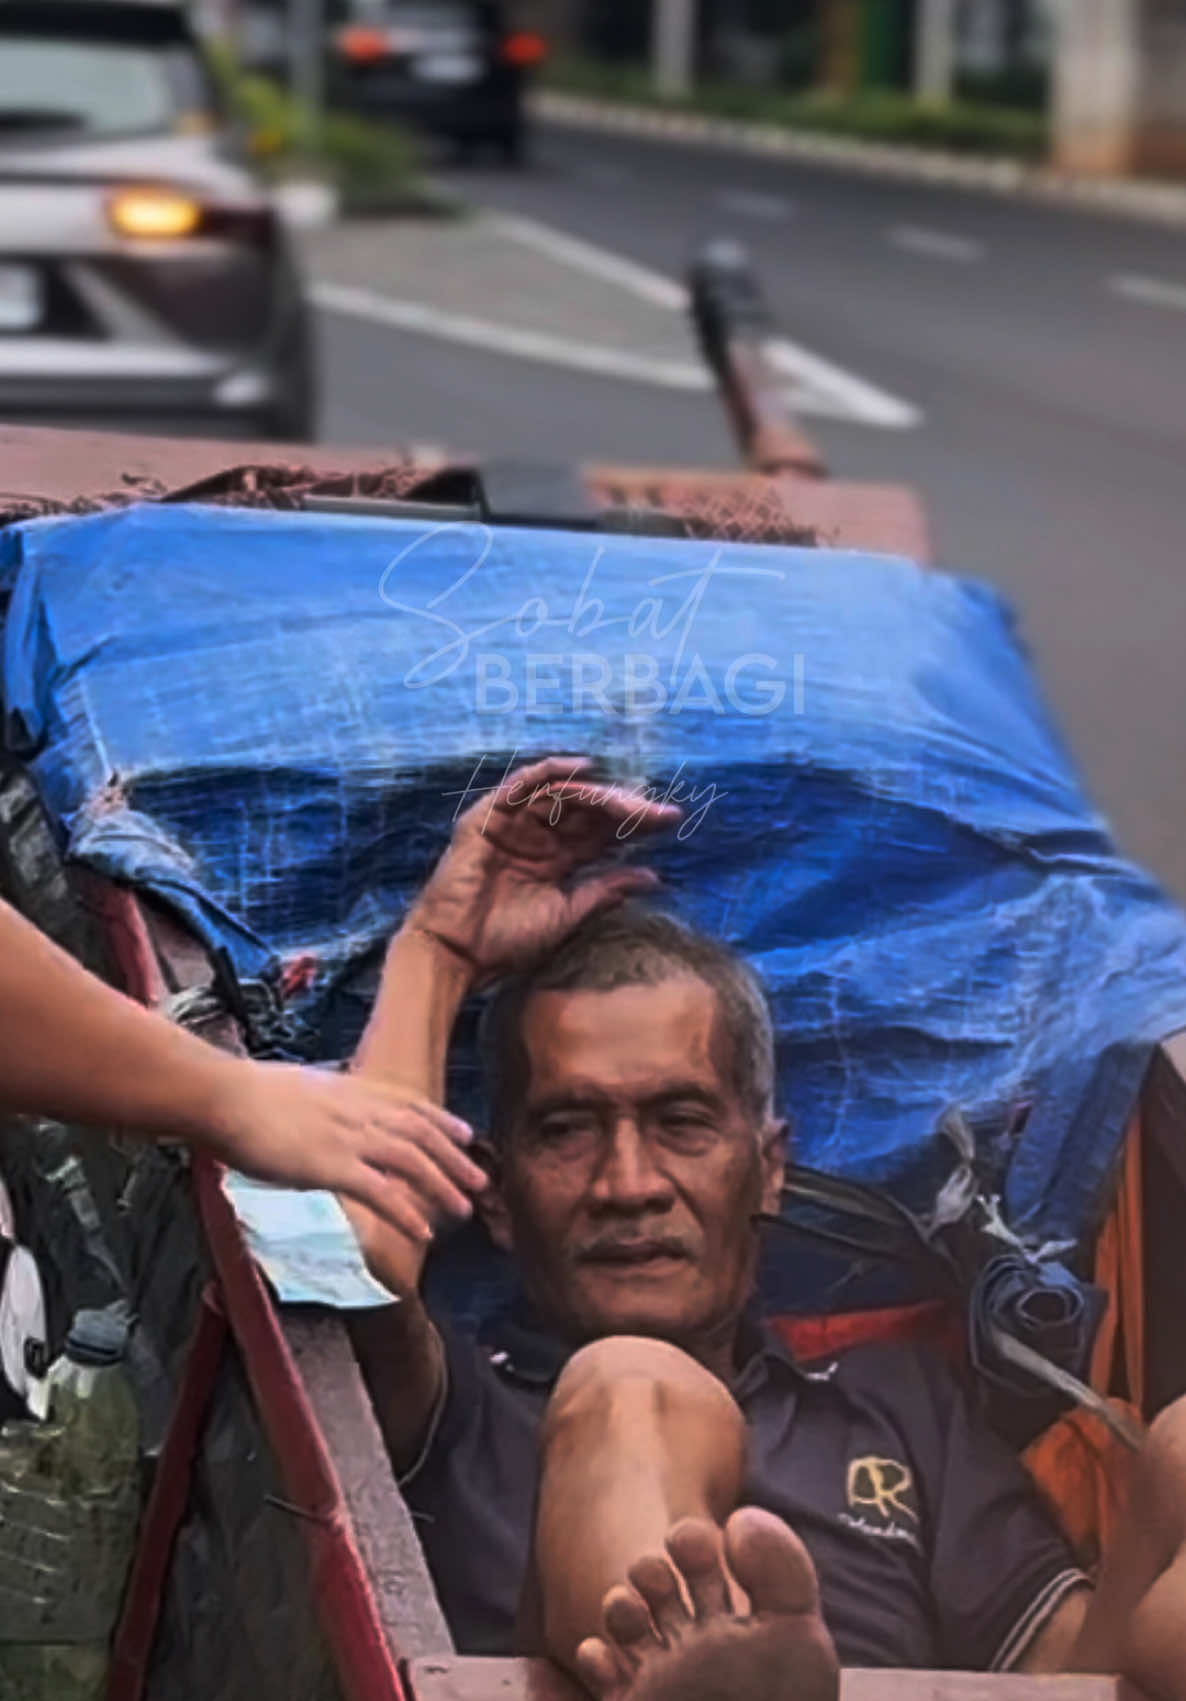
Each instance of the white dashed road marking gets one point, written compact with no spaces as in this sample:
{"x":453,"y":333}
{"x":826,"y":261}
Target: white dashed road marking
{"x":597,"y":262}
{"x":1154,"y":292}
{"x":814,"y":385}
{"x":821,"y":387}
{"x":935,"y":244}
{"x":752,"y":205}
{"x":818,"y":385}
{"x":542,"y":346}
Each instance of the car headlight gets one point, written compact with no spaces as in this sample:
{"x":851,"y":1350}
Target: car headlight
{"x":159,"y":213}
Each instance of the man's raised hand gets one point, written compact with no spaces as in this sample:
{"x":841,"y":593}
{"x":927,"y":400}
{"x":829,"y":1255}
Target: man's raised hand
{"x":502,"y":892}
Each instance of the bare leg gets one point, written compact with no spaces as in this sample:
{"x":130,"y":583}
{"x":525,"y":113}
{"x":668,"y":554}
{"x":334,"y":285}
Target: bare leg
{"x":639,"y":1552}
{"x":637,"y":1436}
{"x":1136,"y":1623}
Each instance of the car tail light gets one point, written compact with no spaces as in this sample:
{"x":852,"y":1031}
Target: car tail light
{"x":524,"y":48}
{"x":157,"y":213}
{"x":363,"y":46}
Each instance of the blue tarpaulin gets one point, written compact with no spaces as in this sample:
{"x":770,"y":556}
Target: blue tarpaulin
{"x":270,"y":720}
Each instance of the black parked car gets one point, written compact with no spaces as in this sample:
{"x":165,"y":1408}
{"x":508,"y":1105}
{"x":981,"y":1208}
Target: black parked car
{"x":456,"y":68}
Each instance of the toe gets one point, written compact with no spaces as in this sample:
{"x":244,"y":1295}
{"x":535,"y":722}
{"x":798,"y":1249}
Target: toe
{"x":695,"y":1547}
{"x":627,"y":1622}
{"x":658,"y":1585}
{"x":770,"y":1562}
{"x":601,"y":1670}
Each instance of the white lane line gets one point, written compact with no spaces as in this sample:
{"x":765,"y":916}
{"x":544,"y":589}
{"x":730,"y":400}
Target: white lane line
{"x":1154,"y":292}
{"x":818,"y":385}
{"x":430,"y":321}
{"x":598,"y":262}
{"x":822,"y":387}
{"x":751,"y":204}
{"x":935,"y":244}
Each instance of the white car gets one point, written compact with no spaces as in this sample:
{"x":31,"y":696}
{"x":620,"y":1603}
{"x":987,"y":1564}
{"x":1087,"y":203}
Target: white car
{"x":143,"y":270}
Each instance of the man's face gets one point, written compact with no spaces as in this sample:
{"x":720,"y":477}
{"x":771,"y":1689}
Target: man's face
{"x":632,"y":1173}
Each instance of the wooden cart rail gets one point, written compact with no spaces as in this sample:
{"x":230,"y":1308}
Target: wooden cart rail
{"x":459,"y":1679}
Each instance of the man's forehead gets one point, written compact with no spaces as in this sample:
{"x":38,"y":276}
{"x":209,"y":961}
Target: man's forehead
{"x":636,"y":1032}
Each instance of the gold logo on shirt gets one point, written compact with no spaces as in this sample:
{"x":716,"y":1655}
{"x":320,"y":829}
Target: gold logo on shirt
{"x":881,"y":1486}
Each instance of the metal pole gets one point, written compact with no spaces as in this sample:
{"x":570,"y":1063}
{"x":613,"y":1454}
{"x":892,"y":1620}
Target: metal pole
{"x":673,"y":46}
{"x":934,"y":55}
{"x":306,"y":64}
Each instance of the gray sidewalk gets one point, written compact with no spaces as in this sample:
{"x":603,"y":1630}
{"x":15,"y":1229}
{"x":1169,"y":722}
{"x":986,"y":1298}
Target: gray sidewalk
{"x":498,"y":281}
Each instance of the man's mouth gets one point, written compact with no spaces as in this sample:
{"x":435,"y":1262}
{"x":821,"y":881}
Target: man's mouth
{"x":634,"y":1254}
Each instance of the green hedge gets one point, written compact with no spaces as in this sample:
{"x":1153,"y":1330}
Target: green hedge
{"x":369,"y":164}
{"x":876,"y":114}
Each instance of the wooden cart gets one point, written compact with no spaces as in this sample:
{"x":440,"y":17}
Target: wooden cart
{"x":351,"y":1575}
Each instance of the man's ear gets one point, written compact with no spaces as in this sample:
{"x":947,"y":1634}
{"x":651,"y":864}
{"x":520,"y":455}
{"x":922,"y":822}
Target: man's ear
{"x":774,"y":1164}
{"x":491,"y":1203}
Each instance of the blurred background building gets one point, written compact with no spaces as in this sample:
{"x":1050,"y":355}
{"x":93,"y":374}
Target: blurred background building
{"x":1110,"y":74}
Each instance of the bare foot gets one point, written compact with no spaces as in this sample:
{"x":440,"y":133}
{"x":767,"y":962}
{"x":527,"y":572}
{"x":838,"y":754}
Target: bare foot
{"x":655,"y":1649}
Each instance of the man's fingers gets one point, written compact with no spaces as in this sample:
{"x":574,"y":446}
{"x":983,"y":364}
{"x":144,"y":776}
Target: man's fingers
{"x":543,"y":772}
{"x":519,"y":788}
{"x":572,"y":804}
{"x":624,"y":802}
{"x":558,"y":792}
{"x":606,"y":889}
{"x":578,"y":823}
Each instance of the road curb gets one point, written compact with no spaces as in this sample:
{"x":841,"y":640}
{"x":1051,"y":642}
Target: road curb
{"x":1160,"y":203}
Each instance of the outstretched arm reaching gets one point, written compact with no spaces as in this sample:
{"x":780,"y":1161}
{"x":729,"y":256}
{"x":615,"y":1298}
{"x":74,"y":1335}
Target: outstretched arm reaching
{"x":73,"y":1048}
{"x":501,"y":894}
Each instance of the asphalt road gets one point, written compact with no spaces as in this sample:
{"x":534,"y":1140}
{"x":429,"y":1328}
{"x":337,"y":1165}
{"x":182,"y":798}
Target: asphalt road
{"x":1045,"y":349}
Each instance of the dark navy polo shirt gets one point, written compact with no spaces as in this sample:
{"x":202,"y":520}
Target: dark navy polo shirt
{"x":932,"y":1548}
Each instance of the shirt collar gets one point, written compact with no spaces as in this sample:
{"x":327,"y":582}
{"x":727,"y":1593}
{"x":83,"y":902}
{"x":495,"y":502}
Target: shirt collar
{"x":526,"y":1351}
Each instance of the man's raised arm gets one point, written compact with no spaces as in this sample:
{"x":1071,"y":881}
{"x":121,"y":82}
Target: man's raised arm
{"x":500,"y":895}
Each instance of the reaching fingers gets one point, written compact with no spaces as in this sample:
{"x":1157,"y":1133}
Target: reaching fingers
{"x":388,"y":1104}
{"x":397,"y":1127}
{"x":428,"y":1180}
{"x":389,"y":1199}
{"x":456,"y":1131}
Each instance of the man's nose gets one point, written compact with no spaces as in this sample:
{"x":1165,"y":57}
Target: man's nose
{"x":627,"y":1178}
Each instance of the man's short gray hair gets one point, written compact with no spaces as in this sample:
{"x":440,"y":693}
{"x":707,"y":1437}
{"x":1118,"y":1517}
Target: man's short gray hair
{"x":632,"y":946}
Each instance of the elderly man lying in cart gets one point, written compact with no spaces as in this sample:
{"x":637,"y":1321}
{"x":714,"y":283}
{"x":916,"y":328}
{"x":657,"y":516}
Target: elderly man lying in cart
{"x":635,"y":1477}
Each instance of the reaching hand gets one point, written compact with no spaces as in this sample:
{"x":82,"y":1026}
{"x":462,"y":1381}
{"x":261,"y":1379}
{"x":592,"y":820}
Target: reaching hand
{"x":399,"y":1157}
{"x":499,"y":895}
